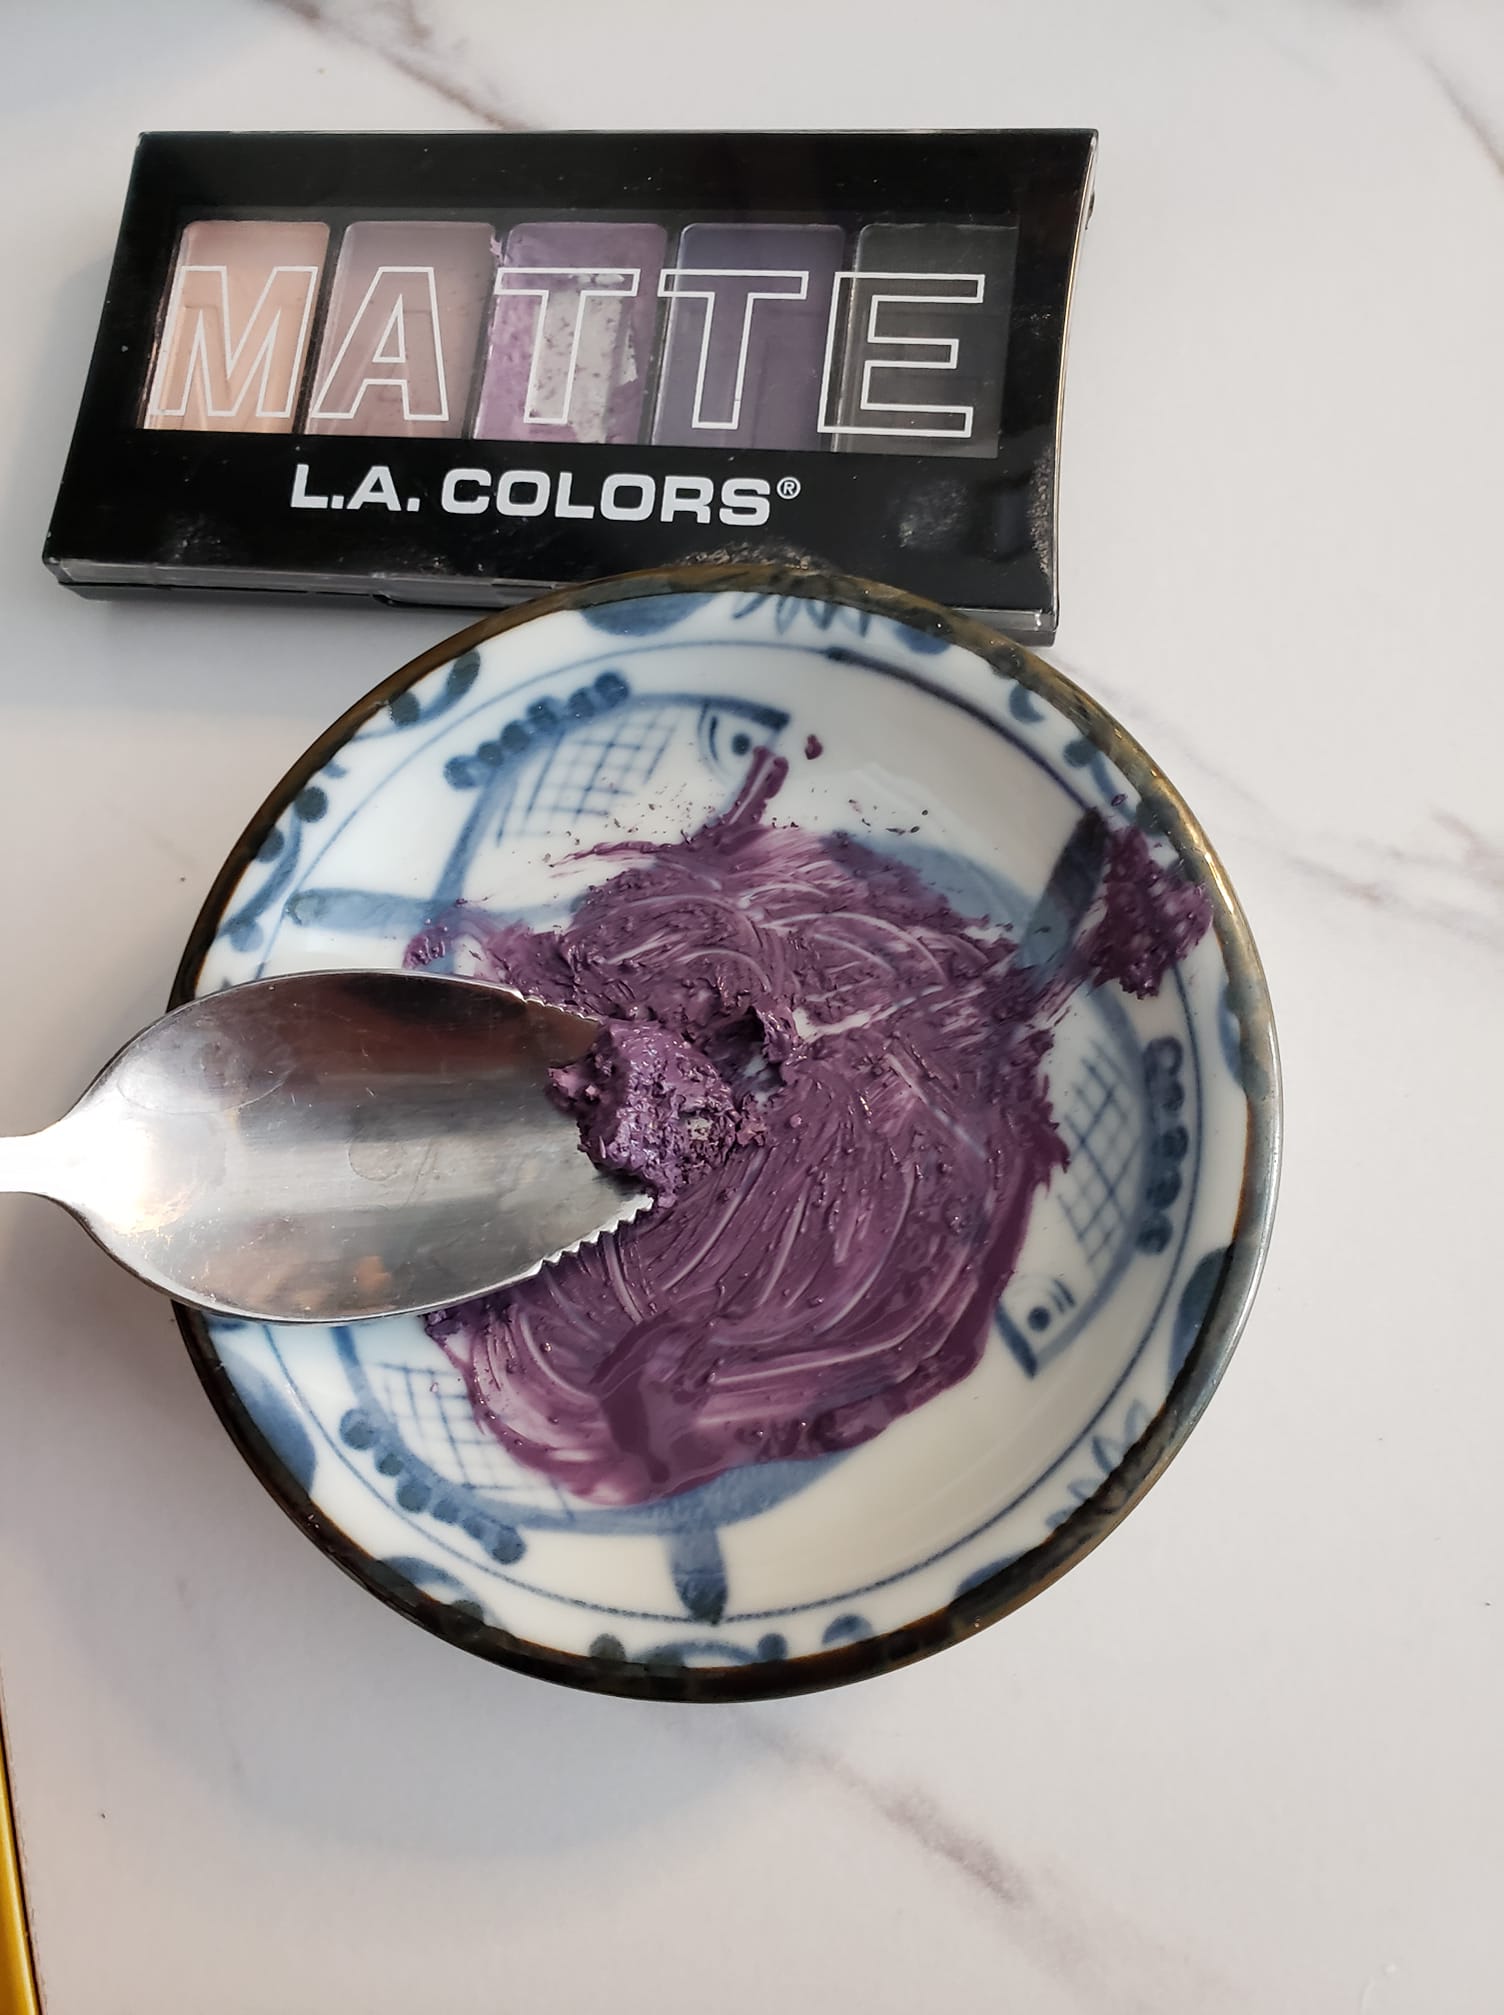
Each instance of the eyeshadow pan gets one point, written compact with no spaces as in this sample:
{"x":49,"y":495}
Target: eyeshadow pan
{"x":749,"y":306}
{"x":926,"y":330}
{"x":397,"y":352}
{"x":235,"y":327}
{"x":572,"y":326}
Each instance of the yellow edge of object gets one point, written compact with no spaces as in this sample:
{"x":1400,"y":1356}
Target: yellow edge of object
{"x":18,"y":1987}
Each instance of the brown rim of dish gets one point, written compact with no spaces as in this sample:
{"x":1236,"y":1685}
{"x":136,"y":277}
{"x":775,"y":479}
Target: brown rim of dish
{"x":1221,"y":1323}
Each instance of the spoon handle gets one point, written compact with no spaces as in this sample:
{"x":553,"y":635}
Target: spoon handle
{"x":29,"y":1164}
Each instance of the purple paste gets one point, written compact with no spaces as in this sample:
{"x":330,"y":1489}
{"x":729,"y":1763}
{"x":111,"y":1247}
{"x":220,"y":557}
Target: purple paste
{"x":813,"y":746}
{"x":834,"y":1082}
{"x":651,"y":1106}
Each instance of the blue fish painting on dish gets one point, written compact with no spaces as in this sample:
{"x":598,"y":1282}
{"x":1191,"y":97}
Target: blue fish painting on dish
{"x":479,"y":803}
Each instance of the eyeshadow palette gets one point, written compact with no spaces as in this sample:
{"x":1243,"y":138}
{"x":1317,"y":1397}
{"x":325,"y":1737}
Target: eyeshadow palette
{"x":456,"y":369}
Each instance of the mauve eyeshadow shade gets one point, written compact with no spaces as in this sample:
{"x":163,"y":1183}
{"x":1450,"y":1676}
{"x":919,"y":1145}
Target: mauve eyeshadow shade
{"x":235,"y":327}
{"x":397,"y":353}
{"x":571,"y":333}
{"x":739,"y":372}
{"x":893,"y":345}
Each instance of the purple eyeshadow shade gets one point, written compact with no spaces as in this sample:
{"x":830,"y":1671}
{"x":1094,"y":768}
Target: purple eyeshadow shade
{"x":897,"y":393}
{"x":741,"y":372}
{"x":571,"y":339}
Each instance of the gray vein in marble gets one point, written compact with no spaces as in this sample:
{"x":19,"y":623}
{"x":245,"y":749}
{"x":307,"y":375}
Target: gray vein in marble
{"x":1477,"y":868}
{"x":915,"y":1813}
{"x":1415,"y":29}
{"x":1107,"y":1963}
{"x":1476,"y":122}
{"x":1255,"y":23}
{"x":403,"y":33}
{"x":1457,"y":889}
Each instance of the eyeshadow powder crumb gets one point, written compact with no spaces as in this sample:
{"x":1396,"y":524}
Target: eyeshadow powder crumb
{"x":835,"y":1084}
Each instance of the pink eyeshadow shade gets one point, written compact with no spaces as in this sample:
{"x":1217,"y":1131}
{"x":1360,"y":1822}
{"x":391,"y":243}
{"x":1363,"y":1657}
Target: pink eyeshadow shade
{"x":236,"y":327}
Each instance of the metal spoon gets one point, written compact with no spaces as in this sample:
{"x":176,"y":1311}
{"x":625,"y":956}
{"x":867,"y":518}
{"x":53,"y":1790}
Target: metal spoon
{"x":331,"y":1146}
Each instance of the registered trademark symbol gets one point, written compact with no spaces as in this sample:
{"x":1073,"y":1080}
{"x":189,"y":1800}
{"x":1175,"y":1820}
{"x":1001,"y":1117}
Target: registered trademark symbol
{"x":788,"y":486}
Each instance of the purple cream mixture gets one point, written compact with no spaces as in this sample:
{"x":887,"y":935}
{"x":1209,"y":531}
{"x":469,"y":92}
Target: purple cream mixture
{"x":834,"y":1083}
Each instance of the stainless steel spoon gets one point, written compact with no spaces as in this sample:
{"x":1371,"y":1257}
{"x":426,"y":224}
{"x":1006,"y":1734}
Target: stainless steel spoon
{"x":331,"y":1146}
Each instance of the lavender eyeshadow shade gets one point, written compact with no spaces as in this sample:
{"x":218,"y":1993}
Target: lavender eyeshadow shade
{"x":571,"y":336}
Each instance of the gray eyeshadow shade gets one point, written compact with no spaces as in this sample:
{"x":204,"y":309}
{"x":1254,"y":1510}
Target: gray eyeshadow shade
{"x":397,"y":353}
{"x":571,"y":338}
{"x":960,"y":262}
{"x":739,"y":372}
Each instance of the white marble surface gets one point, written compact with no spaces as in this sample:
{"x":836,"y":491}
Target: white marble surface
{"x":1248,"y":1756}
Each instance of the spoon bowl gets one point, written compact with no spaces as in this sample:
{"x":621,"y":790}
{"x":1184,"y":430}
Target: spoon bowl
{"x":326,"y":1147}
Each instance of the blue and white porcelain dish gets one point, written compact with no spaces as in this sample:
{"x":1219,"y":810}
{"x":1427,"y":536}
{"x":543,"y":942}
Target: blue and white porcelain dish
{"x":641,"y":703}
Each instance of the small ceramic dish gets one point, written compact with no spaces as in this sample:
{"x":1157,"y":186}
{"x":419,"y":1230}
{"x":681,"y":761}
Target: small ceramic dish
{"x":483,"y":775}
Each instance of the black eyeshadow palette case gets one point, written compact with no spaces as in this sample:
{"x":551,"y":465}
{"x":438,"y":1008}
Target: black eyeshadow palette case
{"x":458,"y":369}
